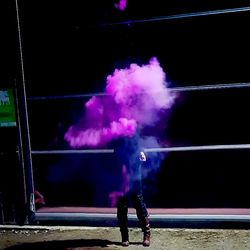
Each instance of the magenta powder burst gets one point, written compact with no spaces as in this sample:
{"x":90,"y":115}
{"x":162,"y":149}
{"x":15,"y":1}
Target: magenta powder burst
{"x":121,"y":5}
{"x":135,"y":98}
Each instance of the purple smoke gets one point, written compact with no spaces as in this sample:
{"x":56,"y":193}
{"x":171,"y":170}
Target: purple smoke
{"x":135,"y":97}
{"x":121,"y":5}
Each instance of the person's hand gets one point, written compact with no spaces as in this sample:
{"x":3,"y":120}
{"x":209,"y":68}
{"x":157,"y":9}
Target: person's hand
{"x":142,"y":156}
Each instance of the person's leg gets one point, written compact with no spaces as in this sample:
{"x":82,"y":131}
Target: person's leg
{"x":143,"y":216}
{"x":122,"y":216}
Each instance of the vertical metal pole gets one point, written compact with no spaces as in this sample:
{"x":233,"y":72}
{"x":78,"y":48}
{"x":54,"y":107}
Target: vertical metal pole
{"x":24,"y":134}
{"x":1,"y":209}
{"x":23,"y":201}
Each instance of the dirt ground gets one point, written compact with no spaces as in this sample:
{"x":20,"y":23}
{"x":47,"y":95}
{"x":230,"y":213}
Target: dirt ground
{"x":67,"y":238}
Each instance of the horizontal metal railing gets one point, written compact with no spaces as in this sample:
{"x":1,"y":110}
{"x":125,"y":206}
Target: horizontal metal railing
{"x":148,"y":150}
{"x":177,"y":89}
{"x":180,"y":16}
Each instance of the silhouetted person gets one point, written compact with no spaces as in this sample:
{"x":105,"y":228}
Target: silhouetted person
{"x":131,"y":160}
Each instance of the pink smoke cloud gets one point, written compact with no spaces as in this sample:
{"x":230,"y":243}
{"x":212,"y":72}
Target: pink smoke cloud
{"x":121,"y":5}
{"x":135,"y":97}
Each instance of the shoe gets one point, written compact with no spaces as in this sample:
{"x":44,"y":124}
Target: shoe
{"x":146,"y":232}
{"x":125,"y":240}
{"x":125,"y":243}
{"x":146,"y":239}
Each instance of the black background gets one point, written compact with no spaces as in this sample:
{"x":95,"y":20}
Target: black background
{"x":67,"y":49}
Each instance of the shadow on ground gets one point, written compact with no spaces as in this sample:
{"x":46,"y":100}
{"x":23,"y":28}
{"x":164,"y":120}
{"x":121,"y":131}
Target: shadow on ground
{"x":67,"y":245}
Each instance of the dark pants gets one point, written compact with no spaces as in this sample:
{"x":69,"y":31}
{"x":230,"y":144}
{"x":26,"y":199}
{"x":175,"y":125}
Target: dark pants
{"x":135,"y":195}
